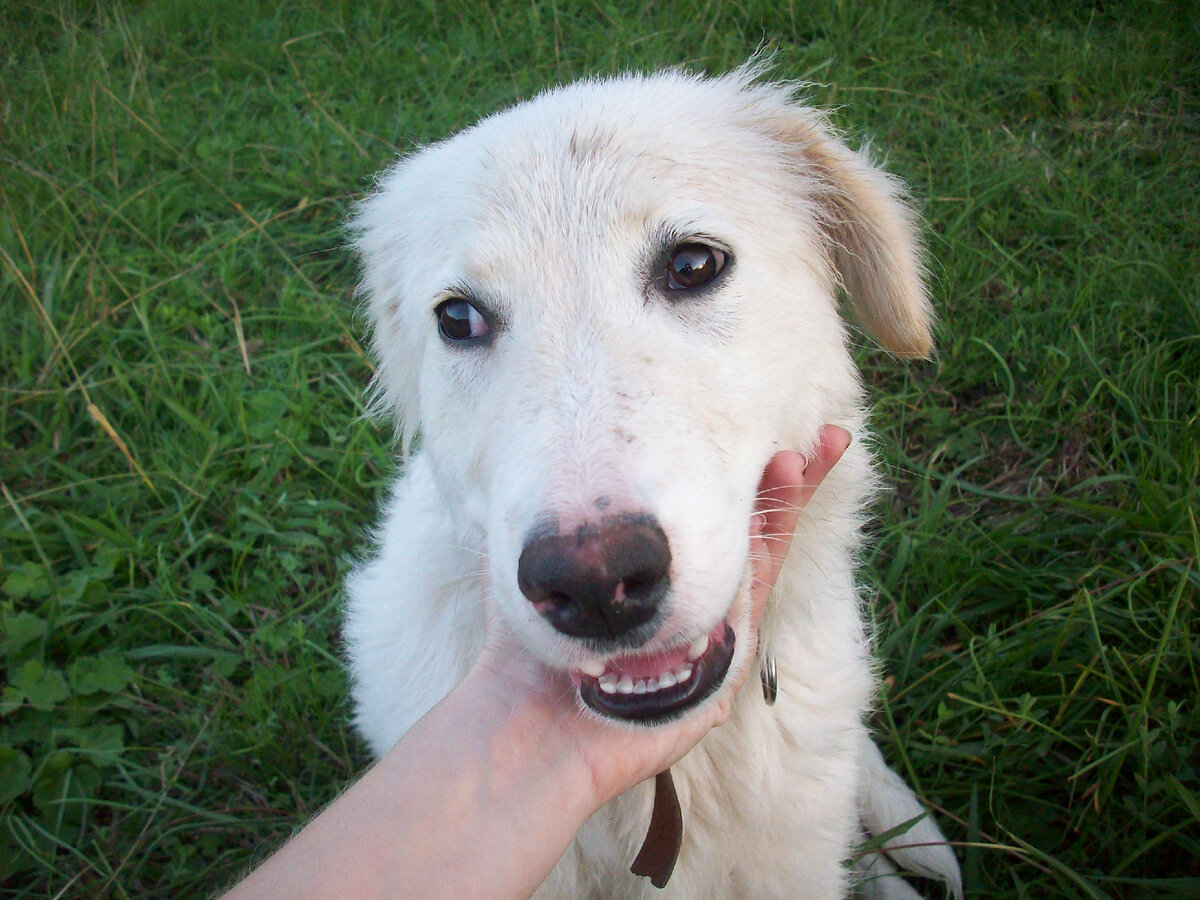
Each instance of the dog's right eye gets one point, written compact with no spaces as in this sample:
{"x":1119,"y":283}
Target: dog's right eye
{"x":459,"y":320}
{"x":692,"y":266}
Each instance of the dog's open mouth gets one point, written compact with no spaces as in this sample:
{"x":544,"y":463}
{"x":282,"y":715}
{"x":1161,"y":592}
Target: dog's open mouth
{"x":656,"y":687}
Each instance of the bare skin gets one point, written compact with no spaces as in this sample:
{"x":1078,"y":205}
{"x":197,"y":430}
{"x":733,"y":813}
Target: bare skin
{"x":485,"y":793}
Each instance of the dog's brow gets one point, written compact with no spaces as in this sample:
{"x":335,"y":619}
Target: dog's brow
{"x":666,"y":236}
{"x":487,"y":302}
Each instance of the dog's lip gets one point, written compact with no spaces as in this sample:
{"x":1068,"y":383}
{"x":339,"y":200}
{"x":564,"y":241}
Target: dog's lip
{"x":706,"y":674}
{"x":655,"y":663}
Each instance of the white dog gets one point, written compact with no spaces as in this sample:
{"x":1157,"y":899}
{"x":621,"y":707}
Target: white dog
{"x":603,"y":311}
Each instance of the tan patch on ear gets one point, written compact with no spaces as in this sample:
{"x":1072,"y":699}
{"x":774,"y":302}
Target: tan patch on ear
{"x":872,"y":232}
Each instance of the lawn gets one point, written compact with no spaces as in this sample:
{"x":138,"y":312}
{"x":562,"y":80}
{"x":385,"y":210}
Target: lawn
{"x":187,"y":466}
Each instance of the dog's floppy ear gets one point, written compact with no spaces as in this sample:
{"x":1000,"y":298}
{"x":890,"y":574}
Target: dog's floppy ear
{"x":872,"y":233}
{"x":379,"y":229}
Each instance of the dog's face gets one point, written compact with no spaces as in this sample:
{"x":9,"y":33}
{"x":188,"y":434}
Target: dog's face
{"x":604,"y":311}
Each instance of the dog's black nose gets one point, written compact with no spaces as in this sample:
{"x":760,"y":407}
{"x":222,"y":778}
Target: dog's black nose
{"x":601,"y":581}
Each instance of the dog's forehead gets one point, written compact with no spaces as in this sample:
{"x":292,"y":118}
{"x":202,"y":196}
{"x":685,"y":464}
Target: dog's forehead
{"x":596,"y":166}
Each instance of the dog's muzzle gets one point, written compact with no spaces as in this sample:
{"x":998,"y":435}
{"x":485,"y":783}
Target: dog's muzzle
{"x":606,"y":583}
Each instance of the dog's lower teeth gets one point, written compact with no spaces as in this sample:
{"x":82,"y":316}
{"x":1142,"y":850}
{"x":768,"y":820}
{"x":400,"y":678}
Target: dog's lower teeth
{"x":668,"y":680}
{"x":696,"y":650}
{"x":625,"y":685}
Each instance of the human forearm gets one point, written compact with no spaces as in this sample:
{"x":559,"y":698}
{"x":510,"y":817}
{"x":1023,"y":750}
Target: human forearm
{"x":479,"y":799}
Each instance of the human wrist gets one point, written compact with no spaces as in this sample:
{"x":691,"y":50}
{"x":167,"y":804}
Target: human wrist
{"x":528,"y":735}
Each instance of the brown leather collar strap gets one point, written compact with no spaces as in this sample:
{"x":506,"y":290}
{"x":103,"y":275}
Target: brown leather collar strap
{"x":656,"y":860}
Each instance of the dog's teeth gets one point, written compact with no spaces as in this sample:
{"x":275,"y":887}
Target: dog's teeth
{"x":595,"y":669}
{"x":699,"y":645}
{"x":627,"y":684}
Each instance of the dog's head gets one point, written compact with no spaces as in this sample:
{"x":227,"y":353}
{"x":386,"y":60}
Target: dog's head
{"x":604,"y":310}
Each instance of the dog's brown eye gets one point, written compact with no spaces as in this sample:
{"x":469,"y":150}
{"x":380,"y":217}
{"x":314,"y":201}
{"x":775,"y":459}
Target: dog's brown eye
{"x":693,"y":265}
{"x":460,"y":320}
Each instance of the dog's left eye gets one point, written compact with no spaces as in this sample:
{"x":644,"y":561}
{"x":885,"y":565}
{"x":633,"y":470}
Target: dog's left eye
{"x":459,"y":320}
{"x":693,"y":266}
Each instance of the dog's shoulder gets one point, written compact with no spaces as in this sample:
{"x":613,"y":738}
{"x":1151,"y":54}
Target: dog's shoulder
{"x":414,"y":616}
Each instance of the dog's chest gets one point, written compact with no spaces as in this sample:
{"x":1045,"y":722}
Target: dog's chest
{"x":762,"y":818}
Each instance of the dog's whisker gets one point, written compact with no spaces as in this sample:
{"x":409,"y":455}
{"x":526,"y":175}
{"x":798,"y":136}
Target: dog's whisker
{"x":777,"y":509}
{"x":780,"y":539}
{"x":776,"y":488}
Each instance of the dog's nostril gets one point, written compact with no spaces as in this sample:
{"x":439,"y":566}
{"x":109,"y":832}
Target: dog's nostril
{"x":638,"y":585}
{"x":600,"y":581}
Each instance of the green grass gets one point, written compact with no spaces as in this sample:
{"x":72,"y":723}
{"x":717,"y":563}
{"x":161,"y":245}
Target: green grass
{"x":186,"y":468}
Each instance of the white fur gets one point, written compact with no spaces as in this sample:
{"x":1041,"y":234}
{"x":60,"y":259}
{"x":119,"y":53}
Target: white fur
{"x":596,"y":386}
